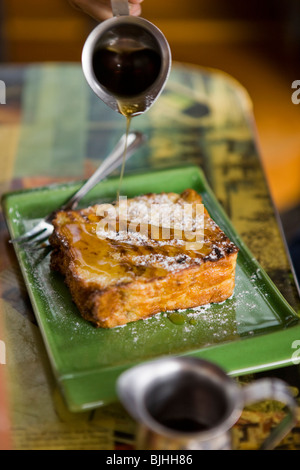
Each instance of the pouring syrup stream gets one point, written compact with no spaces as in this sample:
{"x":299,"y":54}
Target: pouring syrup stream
{"x":128,"y":122}
{"x":126,"y":71}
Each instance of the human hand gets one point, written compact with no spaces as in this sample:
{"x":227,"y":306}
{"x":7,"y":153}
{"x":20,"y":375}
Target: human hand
{"x":101,"y":9}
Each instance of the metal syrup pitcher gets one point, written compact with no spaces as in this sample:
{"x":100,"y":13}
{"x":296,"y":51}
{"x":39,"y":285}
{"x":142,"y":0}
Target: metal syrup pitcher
{"x":186,"y":403}
{"x":126,"y":61}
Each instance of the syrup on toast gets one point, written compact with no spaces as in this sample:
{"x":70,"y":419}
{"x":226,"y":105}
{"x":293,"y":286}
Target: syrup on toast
{"x":118,"y":275}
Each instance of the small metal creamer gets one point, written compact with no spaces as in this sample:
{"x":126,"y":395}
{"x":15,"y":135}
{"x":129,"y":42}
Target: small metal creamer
{"x":186,"y":403}
{"x":124,"y":32}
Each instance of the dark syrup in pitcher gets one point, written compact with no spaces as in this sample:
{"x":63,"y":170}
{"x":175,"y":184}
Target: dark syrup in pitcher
{"x":184,"y":425}
{"x":126,"y":72}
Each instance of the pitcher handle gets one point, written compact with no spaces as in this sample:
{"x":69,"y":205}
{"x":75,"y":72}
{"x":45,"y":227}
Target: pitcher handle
{"x":120,"y":7}
{"x":272,"y":389}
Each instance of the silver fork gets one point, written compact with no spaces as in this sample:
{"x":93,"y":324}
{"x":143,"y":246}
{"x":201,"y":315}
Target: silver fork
{"x":44,"y":228}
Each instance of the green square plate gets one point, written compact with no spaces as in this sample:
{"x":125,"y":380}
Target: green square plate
{"x":252,"y":331}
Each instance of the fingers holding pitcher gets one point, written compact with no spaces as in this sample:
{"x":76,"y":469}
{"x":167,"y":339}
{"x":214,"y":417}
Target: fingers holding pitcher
{"x":101,"y":10}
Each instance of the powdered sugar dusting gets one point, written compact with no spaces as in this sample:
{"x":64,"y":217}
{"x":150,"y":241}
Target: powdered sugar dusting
{"x":170,"y":263}
{"x":165,"y":211}
{"x":151,"y":219}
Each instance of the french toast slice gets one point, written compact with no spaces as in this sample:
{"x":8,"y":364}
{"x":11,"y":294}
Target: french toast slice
{"x":122,"y":273}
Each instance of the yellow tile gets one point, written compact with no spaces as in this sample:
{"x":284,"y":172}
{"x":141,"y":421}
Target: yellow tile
{"x":9,"y":138}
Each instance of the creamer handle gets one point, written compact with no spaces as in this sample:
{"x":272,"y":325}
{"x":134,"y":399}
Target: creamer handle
{"x":272,"y":389}
{"x":120,"y":7}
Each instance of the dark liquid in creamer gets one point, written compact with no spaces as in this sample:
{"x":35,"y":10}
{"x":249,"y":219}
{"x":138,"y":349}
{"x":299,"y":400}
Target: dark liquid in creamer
{"x":185,"y":425}
{"x":126,"y":72}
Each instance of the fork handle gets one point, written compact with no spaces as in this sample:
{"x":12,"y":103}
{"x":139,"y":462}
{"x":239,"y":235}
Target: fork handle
{"x":115,"y":158}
